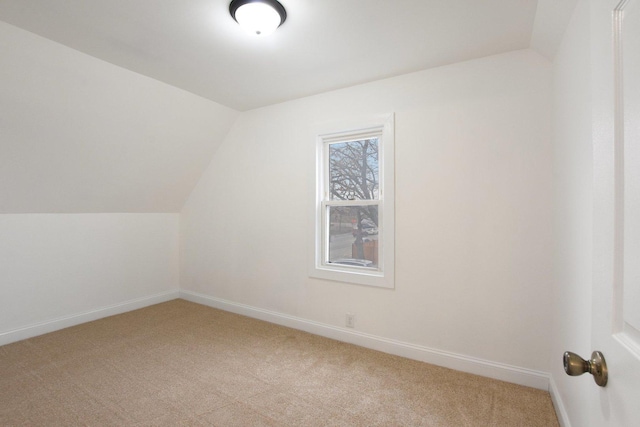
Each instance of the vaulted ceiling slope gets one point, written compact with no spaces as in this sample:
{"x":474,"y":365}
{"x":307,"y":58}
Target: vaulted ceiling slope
{"x":195,"y":44}
{"x":119,"y":105}
{"x":81,"y":135}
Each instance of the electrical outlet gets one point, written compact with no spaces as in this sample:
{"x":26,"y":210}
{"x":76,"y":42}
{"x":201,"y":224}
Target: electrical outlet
{"x":350,"y":320}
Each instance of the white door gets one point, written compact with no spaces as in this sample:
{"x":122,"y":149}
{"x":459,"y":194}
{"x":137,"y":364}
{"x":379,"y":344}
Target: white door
{"x":615,"y":321}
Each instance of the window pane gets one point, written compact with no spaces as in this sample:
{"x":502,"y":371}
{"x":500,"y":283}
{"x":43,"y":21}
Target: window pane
{"x":353,"y":235}
{"x":353,"y":170}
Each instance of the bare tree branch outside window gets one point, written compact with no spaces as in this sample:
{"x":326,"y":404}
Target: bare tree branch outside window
{"x":354,"y":175}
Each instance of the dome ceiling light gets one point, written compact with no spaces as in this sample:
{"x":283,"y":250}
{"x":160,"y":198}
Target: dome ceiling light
{"x":259,"y":17}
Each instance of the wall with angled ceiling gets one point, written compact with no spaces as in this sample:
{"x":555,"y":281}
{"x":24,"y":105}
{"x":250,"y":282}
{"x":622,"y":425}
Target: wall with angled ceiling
{"x":96,"y":162}
{"x":473,"y":218}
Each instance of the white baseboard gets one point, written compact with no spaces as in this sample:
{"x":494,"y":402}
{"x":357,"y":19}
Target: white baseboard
{"x":485,"y":368}
{"x":87,"y":316}
{"x":561,"y":411}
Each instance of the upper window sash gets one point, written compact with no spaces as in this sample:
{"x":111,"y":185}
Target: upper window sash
{"x":352,"y":169}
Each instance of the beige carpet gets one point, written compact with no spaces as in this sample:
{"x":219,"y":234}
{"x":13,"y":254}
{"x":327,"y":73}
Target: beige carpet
{"x":184,"y":364}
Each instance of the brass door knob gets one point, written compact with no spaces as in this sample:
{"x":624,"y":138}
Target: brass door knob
{"x":575,"y":365}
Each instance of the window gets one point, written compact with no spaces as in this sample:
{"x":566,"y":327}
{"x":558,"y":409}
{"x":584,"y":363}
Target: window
{"x":353,"y":208}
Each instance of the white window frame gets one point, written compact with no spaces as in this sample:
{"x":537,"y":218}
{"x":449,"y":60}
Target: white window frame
{"x":384,"y":275}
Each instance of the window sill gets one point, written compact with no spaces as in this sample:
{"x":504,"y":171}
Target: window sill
{"x":364,"y":277}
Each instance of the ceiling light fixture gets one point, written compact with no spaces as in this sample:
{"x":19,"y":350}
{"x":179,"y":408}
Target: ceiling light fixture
{"x":259,"y":17}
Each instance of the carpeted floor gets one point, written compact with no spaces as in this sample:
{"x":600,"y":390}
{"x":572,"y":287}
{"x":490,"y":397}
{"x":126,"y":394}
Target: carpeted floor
{"x":184,"y":364}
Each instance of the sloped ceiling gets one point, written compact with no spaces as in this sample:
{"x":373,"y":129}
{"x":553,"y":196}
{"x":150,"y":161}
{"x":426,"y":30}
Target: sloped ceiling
{"x":81,"y":135}
{"x":118,"y":105}
{"x":195,"y":44}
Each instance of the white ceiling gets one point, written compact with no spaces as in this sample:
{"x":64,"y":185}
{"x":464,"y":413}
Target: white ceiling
{"x":324,"y":44}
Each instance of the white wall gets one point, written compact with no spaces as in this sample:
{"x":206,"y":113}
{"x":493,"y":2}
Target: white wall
{"x":573,"y":216}
{"x":473,"y":212}
{"x":58,"y":270}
